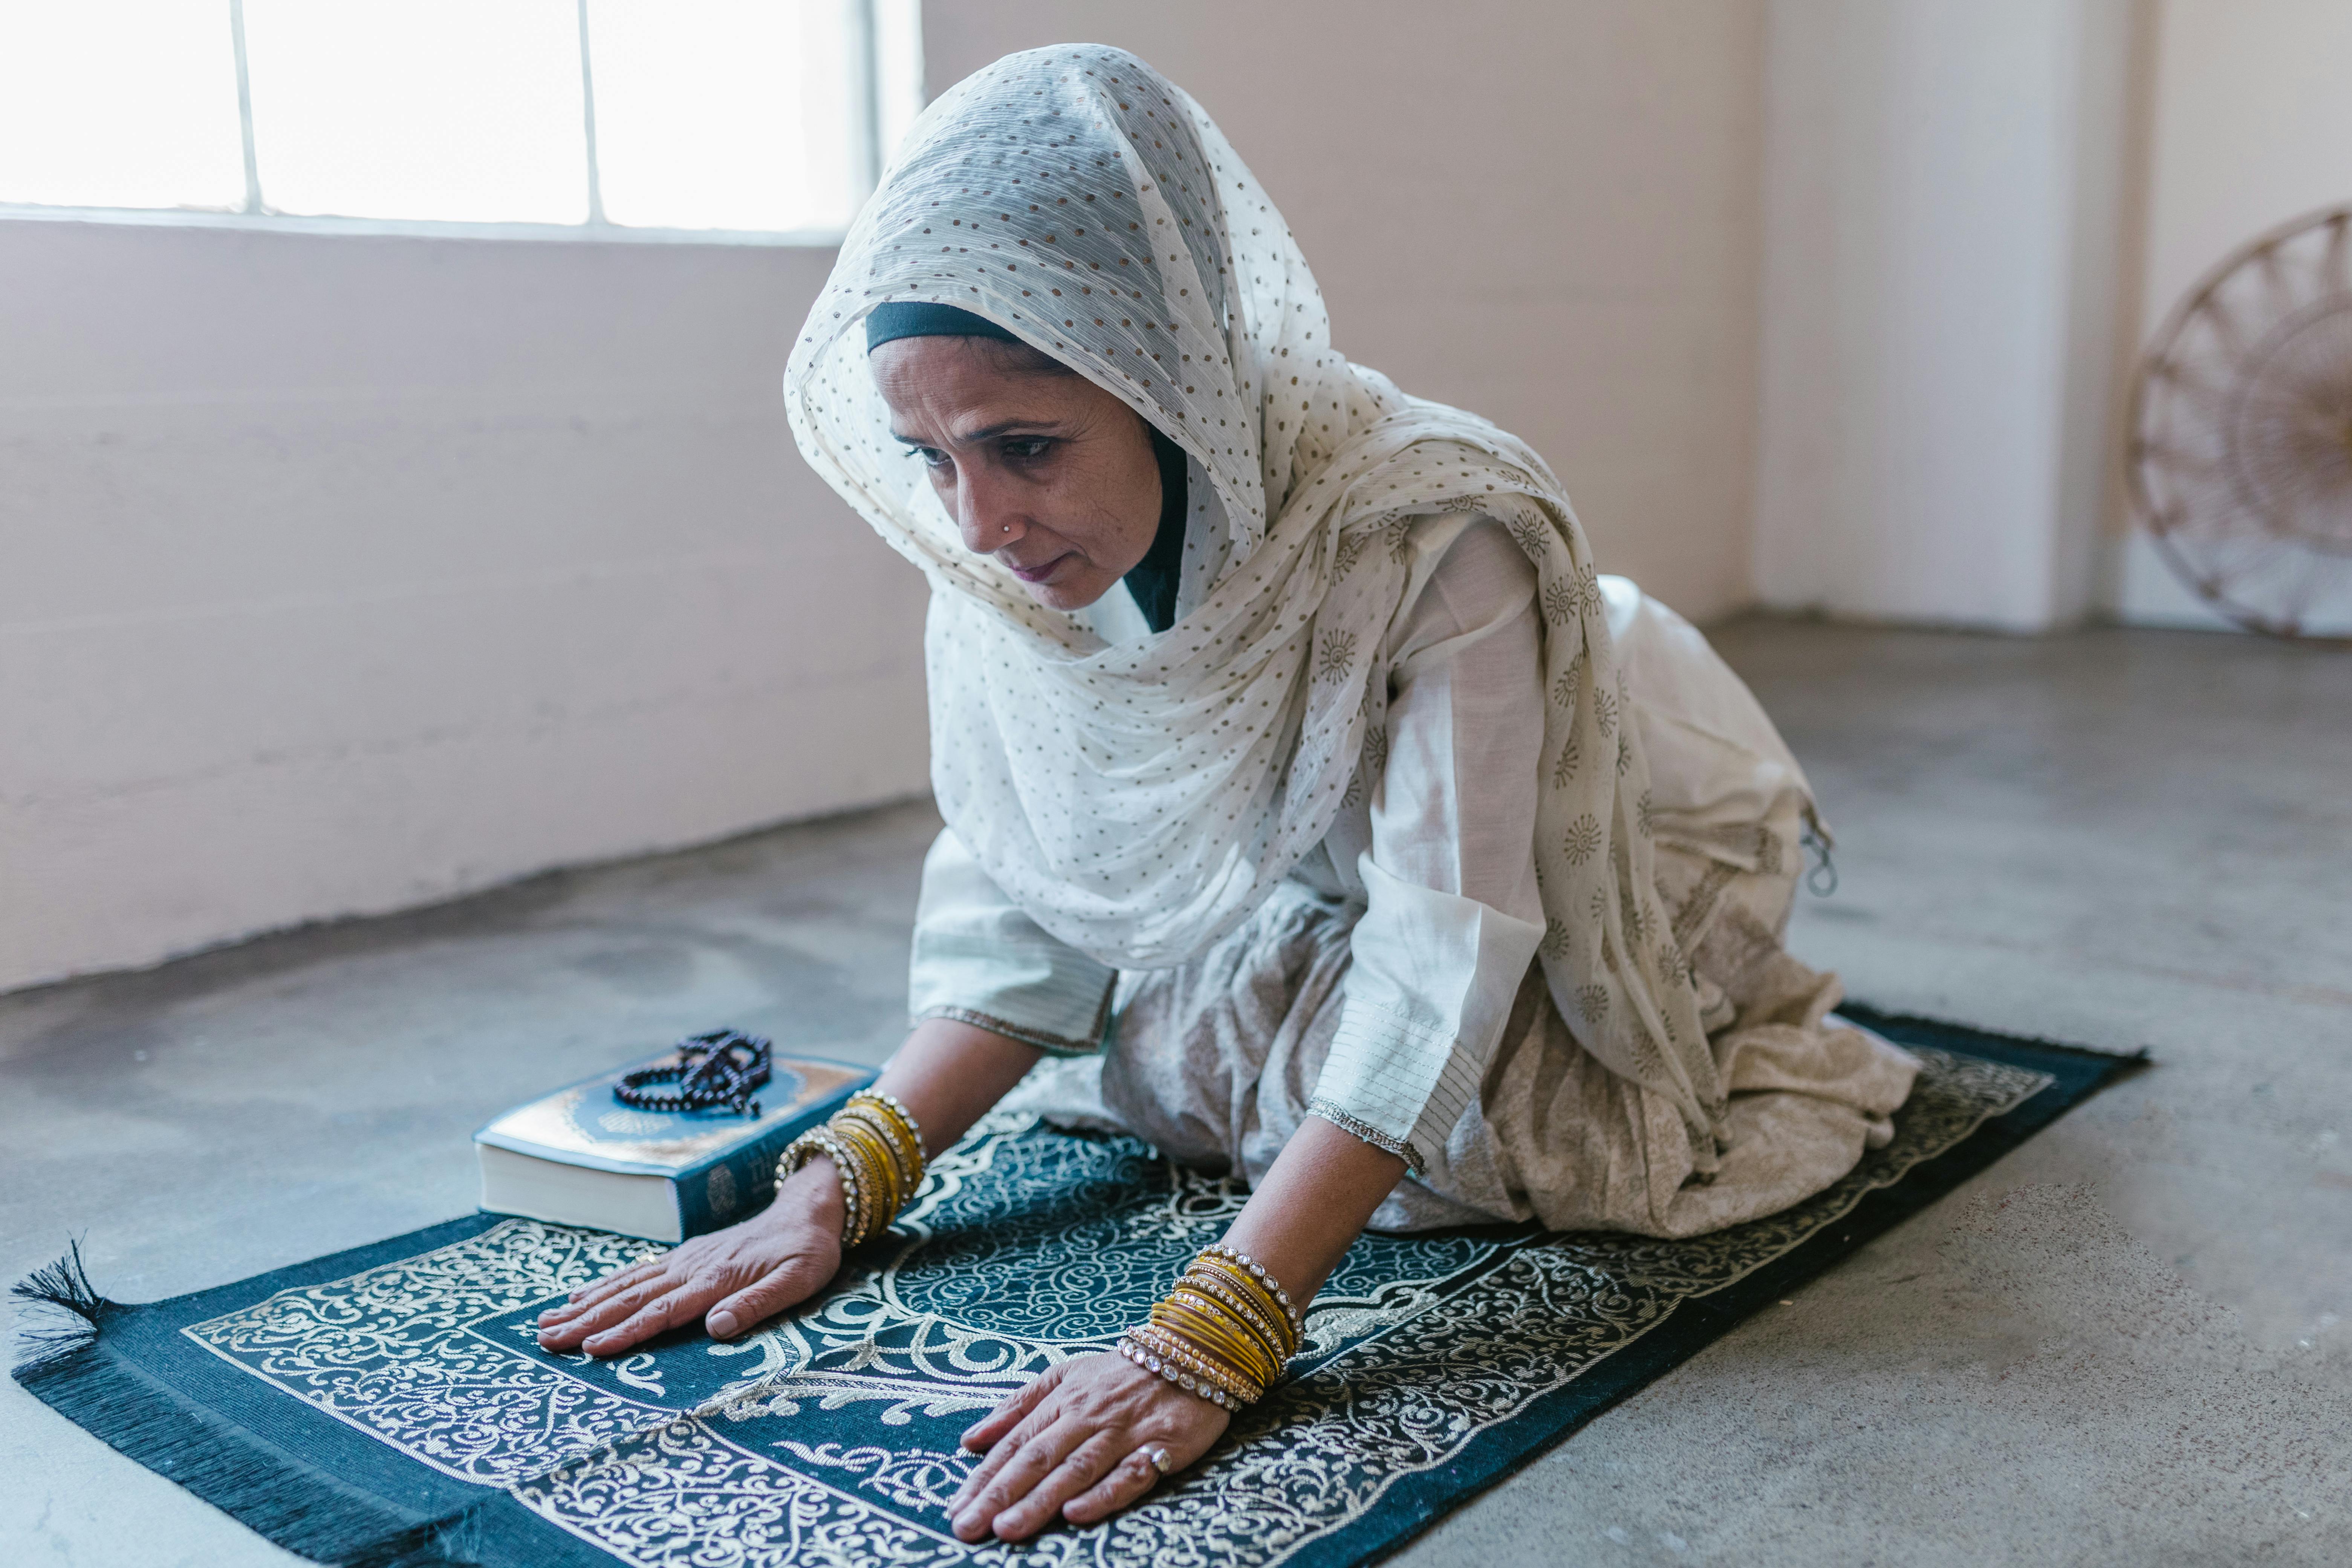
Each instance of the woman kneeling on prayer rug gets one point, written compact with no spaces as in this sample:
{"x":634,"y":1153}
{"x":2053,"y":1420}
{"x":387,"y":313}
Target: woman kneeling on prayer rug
{"x":1316,"y":810}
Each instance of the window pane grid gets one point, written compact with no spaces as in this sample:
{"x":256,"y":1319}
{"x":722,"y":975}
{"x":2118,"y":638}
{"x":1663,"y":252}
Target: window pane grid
{"x":615,"y":118}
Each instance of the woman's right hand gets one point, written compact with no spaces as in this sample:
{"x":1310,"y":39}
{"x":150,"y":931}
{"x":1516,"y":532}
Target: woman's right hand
{"x":733,"y":1279}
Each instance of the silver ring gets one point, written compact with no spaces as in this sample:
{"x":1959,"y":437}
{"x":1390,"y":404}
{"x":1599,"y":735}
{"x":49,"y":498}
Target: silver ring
{"x":1158,"y":1455}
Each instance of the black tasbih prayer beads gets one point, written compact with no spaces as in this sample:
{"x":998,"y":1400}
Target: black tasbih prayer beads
{"x":721,"y":1067}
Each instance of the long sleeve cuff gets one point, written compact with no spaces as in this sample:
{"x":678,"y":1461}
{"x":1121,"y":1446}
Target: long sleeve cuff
{"x":1393,"y":1083}
{"x":1428,"y":995}
{"x":980,"y":959}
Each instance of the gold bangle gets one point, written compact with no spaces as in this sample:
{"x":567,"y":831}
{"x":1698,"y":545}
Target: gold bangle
{"x":1202,"y":1319}
{"x":881,"y":1142}
{"x":918,"y":1153}
{"x":1222,"y":1342}
{"x":888,"y":1143}
{"x":878,"y":1189}
{"x":808,"y":1146}
{"x":877,"y":1148}
{"x":1226,"y":1330}
{"x":892,"y":1145}
{"x":1254,"y":1275}
{"x":1251,"y":1278}
{"x":1272,"y":1346}
{"x":1210,"y":1326}
{"x":1264,"y":1326}
{"x":1258,"y":1275}
{"x":860,"y":1217}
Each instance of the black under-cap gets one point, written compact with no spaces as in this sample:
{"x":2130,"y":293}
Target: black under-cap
{"x":919,"y":318}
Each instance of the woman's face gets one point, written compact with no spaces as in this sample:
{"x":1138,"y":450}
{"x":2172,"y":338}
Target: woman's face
{"x":1049,"y":473}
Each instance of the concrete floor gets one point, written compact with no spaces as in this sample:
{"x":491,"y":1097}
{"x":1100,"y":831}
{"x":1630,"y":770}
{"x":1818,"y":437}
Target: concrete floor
{"x":2123,"y":1344}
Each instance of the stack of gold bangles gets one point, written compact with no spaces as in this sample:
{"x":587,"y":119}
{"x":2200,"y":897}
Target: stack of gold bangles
{"x":1225,"y":1332}
{"x":878,"y":1149}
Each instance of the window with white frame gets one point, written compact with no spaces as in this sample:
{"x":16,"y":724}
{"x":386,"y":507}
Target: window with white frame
{"x":614,"y":117}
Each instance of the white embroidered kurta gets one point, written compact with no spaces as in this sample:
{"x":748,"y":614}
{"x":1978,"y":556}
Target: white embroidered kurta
{"x":1139,"y":796}
{"x":1438,"y":852}
{"x":1214,"y":809}
{"x":1436,"y":907}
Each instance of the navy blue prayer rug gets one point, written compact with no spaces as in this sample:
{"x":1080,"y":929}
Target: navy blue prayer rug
{"x":388,"y":1406}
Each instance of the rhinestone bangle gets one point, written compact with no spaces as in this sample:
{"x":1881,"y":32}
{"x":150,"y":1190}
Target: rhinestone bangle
{"x":1153,"y":1359}
{"x":1258,"y":1270}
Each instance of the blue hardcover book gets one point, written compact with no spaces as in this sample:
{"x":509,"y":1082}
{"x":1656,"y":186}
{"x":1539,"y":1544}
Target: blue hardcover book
{"x":580,"y":1157}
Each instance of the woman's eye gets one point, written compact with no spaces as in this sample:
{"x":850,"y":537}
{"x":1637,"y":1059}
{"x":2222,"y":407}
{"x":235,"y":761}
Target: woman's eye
{"x":931,"y":456}
{"x":1027,"y":448}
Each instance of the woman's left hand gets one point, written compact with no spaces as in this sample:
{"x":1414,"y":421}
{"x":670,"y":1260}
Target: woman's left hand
{"x":1077,"y":1442}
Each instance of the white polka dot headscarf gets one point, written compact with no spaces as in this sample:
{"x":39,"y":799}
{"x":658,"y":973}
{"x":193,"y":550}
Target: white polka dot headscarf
{"x":1139,"y":799}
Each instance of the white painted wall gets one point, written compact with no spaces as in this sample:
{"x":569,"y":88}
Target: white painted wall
{"x":2251,"y":125}
{"x":1546,"y":212}
{"x":1944,"y":188}
{"x":339,"y":574}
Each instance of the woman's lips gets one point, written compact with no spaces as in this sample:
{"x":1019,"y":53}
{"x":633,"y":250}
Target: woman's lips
{"x":1037,"y":573}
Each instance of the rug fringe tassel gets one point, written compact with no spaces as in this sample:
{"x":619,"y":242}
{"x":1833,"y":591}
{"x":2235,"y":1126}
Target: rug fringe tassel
{"x":63,"y":1287}
{"x":139,"y":1416}
{"x":307,"y":1511}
